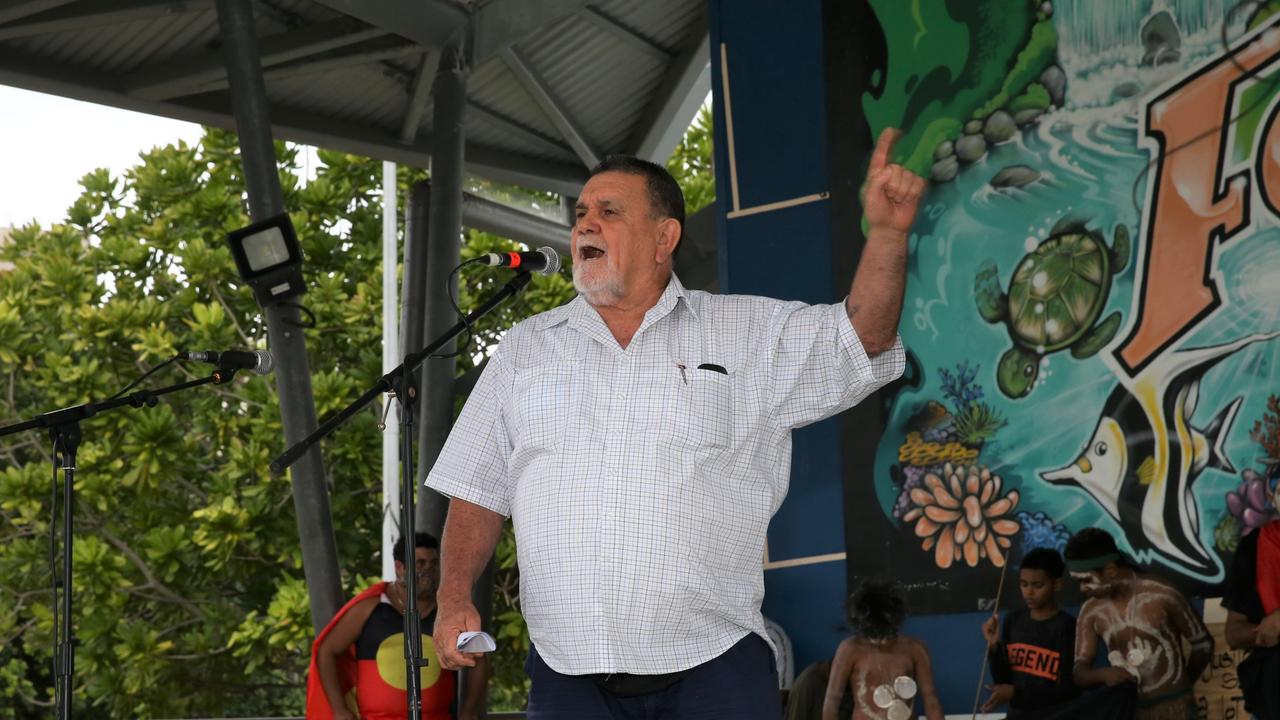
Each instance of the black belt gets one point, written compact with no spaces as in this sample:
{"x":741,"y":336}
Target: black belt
{"x":625,"y":685}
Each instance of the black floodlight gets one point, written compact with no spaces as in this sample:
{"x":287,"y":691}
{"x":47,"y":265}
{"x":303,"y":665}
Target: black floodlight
{"x":269,"y":259}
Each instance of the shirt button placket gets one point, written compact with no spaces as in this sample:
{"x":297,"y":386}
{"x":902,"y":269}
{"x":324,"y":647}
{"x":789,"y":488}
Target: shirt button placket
{"x":614,"y":446}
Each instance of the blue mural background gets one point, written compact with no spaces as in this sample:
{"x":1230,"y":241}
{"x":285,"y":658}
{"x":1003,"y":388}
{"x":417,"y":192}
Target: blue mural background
{"x":1082,"y":159}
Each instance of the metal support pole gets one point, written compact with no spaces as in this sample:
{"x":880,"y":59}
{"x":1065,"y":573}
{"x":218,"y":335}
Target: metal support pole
{"x":443,"y":254}
{"x":569,"y":211}
{"x":524,"y":227}
{"x":417,"y":211}
{"x":444,"y":248}
{"x":284,"y":329}
{"x":390,"y":359}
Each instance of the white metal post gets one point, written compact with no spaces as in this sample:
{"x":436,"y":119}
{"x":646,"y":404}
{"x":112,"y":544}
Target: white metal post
{"x":391,"y":357}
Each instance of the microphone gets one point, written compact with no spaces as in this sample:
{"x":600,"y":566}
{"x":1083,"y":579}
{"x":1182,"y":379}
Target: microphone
{"x":258,"y":362}
{"x":543,"y":261}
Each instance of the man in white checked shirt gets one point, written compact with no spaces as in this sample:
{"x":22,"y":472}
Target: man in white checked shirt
{"x":640,"y":439}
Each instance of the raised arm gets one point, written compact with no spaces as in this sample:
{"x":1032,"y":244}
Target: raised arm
{"x":890,"y":198}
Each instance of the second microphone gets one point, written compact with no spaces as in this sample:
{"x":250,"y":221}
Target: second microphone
{"x":543,"y":261}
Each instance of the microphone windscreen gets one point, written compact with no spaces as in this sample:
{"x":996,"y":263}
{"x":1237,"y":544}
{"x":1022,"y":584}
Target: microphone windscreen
{"x":553,"y":260}
{"x":266,"y":363}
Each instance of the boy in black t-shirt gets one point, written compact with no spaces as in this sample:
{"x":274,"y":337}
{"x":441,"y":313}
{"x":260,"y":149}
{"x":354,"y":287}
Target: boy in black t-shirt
{"x":1031,"y":659}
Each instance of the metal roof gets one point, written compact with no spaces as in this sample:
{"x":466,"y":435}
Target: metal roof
{"x":553,"y":84}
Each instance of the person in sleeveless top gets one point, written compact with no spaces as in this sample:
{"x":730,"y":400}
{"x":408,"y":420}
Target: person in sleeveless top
{"x":359,"y":663}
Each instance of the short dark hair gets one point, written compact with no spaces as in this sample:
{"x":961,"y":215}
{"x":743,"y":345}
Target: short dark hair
{"x":877,"y":609}
{"x":1094,"y":544}
{"x":1046,"y":559}
{"x":420,"y":540}
{"x":665,"y":194}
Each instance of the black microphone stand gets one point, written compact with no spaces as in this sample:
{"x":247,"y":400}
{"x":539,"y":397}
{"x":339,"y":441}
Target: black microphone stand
{"x":64,"y":430}
{"x":399,"y":383}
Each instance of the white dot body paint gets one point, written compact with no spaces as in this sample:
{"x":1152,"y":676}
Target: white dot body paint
{"x":860,"y":699}
{"x":887,"y":701}
{"x":882,"y":696}
{"x":904,"y":687}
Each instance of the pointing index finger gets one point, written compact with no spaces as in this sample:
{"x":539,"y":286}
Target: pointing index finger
{"x":884,"y":145}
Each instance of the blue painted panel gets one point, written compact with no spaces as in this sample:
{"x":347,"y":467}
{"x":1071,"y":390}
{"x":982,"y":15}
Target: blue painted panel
{"x":811,"y":520}
{"x":808,"y":602}
{"x":777,"y":90}
{"x":956,"y":649}
{"x":776,"y":63}
{"x":784,"y":254}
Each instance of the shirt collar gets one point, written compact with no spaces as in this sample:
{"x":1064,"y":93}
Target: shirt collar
{"x":578,"y":312}
{"x":672,"y":295}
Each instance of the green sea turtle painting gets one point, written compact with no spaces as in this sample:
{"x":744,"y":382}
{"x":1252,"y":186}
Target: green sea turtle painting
{"x":1054,"y":300}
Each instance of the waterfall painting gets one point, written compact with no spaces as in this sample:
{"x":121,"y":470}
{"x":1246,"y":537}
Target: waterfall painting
{"x":1093,"y":305}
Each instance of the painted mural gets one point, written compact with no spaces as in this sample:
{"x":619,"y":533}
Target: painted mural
{"x":1093,"y":310}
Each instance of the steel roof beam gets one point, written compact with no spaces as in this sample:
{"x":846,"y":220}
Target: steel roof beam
{"x":493,"y":217}
{"x":97,"y":13}
{"x":335,"y":61}
{"x":431,"y":23}
{"x":184,"y":77}
{"x":554,"y":110}
{"x":421,"y":95}
{"x":485,"y":161}
{"x":500,"y":24}
{"x":11,"y":10}
{"x":24,"y":72}
{"x":630,"y":36}
{"x":515,"y":128}
{"x":676,"y":102}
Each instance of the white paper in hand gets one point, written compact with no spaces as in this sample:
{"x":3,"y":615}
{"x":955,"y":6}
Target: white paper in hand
{"x":476,"y":642}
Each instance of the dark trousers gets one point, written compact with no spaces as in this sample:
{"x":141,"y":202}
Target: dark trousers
{"x":741,"y":684}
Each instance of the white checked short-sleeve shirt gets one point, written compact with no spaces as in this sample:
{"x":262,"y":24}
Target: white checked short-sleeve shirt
{"x":641,"y":481}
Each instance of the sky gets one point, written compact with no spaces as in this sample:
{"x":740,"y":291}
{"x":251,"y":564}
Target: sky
{"x":47,"y":143}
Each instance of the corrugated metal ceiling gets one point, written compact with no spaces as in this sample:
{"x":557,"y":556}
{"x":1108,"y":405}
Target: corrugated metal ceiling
{"x":342,"y":73}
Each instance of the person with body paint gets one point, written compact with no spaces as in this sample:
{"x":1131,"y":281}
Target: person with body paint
{"x":1143,"y":622}
{"x":884,"y":669}
{"x":1251,"y":596}
{"x":1031,"y":659}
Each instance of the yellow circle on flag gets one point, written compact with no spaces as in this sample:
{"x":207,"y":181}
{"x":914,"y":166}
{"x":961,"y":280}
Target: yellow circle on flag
{"x":391,"y":662}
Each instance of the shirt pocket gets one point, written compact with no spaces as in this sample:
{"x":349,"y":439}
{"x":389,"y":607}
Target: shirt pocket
{"x":703,"y":410}
{"x":544,"y":402}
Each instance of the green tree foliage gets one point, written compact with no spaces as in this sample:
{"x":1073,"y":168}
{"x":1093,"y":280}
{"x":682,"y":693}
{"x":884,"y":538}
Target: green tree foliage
{"x":188,"y":582}
{"x":691,"y":163}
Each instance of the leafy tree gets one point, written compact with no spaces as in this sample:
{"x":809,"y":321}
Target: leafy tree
{"x":691,"y":163}
{"x":188,"y":584}
{"x":189,"y":592}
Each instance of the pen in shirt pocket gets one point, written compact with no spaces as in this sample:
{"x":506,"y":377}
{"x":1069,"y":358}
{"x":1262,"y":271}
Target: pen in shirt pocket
{"x":709,"y":367}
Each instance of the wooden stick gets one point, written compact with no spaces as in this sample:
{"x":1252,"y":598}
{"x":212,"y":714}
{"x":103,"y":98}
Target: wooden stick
{"x":995,"y":612}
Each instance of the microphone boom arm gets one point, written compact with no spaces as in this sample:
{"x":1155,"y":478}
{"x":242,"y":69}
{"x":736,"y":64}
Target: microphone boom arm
{"x":76,"y":413}
{"x":389,"y":381}
{"x":64,"y":430}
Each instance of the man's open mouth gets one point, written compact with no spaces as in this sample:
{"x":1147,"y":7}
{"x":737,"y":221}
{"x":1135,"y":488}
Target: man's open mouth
{"x":590,"y":252}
